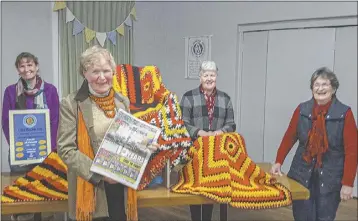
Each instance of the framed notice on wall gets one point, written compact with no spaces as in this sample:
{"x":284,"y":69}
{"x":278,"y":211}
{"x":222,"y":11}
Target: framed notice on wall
{"x":197,"y":50}
{"x":30,"y":136}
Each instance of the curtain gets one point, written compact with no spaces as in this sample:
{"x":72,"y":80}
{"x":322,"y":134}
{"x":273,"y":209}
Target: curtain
{"x":100,"y":17}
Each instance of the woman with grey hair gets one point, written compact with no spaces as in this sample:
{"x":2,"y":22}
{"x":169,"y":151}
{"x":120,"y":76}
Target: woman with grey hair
{"x":85,"y":116}
{"x":326,"y":158}
{"x":207,"y":111}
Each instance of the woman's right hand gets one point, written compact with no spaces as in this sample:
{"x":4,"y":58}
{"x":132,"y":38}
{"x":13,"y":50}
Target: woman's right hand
{"x":203,"y":133}
{"x":276,"y":169}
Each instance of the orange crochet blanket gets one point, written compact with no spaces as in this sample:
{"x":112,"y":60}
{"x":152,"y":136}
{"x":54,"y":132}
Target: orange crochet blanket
{"x":152,"y":102}
{"x":45,"y":182}
{"x":221,"y":170}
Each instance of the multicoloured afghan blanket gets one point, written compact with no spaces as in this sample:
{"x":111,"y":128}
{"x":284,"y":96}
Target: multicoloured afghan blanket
{"x":152,"y":102}
{"x":46,"y":181}
{"x":220,"y":169}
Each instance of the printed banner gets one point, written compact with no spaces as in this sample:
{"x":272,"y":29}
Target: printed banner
{"x":30,"y":136}
{"x":197,"y":50}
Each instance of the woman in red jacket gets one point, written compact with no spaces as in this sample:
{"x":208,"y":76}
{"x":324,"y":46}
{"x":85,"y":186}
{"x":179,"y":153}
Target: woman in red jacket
{"x":326,"y":158}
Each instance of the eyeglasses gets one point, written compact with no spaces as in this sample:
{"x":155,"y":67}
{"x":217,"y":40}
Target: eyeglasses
{"x":208,"y":75}
{"x":324,"y":85}
{"x":98,"y":73}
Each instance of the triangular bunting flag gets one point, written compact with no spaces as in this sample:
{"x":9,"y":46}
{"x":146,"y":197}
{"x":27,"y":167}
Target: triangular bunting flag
{"x":128,"y":21}
{"x":77,"y":27}
{"x":120,"y":29}
{"x":59,"y":5}
{"x":134,"y":13}
{"x":112,"y":36}
{"x":89,"y":34}
{"x":69,"y":15}
{"x":101,"y":37}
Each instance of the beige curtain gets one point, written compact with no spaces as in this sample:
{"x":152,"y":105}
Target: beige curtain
{"x":97,"y":16}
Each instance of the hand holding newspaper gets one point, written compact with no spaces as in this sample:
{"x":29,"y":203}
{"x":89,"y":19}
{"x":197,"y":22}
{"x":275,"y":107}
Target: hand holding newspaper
{"x":125,"y":149}
{"x":151,"y":146}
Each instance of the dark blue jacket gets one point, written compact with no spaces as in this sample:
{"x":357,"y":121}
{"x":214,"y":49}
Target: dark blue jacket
{"x":331,"y":172}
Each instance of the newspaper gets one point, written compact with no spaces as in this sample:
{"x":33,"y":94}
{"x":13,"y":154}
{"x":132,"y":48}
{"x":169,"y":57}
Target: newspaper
{"x":123,"y":153}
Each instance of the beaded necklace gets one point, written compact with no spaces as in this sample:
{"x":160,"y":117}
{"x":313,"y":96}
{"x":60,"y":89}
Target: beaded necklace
{"x":106,"y":104}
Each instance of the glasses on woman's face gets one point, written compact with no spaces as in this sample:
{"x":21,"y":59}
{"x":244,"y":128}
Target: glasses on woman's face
{"x":209,"y":75}
{"x":98,"y":73}
{"x":324,"y":85}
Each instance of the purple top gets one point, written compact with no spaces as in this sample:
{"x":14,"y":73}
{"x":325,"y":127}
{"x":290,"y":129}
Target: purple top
{"x":52,"y":100}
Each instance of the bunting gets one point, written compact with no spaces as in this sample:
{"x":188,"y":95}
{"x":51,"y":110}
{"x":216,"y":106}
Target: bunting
{"x":59,"y":5}
{"x":69,"y":15}
{"x":120,"y":29}
{"x":101,"y":37}
{"x":128,"y":21}
{"x":134,"y":13}
{"x":112,"y":37}
{"x":77,"y":27}
{"x":90,"y":34}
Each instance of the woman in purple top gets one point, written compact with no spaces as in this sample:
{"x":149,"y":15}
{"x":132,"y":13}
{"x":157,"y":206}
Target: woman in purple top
{"x":30,"y":92}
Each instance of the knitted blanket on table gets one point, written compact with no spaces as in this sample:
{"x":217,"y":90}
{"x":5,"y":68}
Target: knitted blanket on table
{"x":152,"y":102}
{"x":47,"y":181}
{"x":220,"y":169}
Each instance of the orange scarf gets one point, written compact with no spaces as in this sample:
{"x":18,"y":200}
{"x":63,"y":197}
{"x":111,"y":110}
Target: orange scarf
{"x":85,"y":203}
{"x":317,"y":143}
{"x":132,"y":212}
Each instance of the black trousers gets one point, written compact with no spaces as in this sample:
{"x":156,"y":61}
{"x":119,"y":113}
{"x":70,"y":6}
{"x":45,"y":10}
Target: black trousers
{"x":204,"y":212}
{"x":201,"y":212}
{"x":319,"y":207}
{"x":115,"y":201}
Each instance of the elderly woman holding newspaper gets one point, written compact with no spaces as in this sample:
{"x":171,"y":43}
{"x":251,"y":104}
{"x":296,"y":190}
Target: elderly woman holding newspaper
{"x":85,"y":116}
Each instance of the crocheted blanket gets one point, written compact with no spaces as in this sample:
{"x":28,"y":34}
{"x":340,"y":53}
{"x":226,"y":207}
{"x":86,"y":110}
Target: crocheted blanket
{"x":46,"y":181}
{"x":220,"y":169}
{"x":152,"y":102}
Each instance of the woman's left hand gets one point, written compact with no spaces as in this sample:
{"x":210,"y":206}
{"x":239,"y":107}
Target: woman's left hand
{"x":153,"y":147}
{"x":346,"y":192}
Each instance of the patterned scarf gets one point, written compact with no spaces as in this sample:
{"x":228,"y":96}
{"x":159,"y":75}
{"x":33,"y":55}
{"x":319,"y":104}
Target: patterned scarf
{"x":210,"y":103}
{"x":317,"y":143}
{"x":22,"y":91}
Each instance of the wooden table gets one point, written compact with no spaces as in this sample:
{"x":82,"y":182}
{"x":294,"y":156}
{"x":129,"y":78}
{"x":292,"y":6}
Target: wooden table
{"x":155,"y":197}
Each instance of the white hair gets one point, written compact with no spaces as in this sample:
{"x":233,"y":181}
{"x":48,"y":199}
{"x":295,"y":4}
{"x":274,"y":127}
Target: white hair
{"x":208,"y":66}
{"x":91,"y":55}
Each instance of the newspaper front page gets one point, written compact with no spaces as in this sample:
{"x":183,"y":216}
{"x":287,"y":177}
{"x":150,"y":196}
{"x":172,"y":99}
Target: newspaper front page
{"x":123,"y":153}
